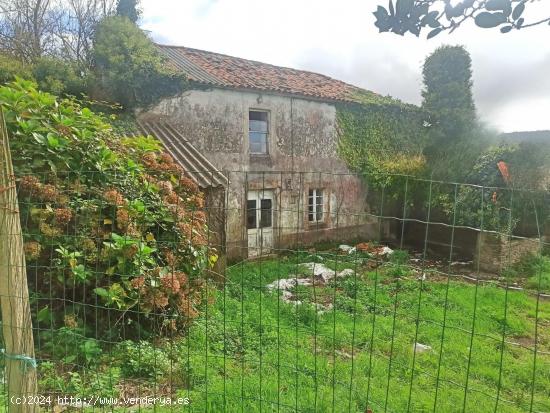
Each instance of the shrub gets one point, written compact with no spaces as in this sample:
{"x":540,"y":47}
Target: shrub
{"x":532,"y":264}
{"x":130,"y":69}
{"x":60,"y":77}
{"x":400,"y":257}
{"x":398,"y":264}
{"x":118,"y":224}
{"x":102,"y":383}
{"x":11,"y":67}
{"x":142,"y":360}
{"x":536,"y":268}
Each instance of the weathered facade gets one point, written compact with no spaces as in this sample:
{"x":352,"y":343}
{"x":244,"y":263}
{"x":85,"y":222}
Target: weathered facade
{"x":278,"y":149}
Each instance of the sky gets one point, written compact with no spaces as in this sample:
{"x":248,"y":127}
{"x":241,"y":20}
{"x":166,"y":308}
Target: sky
{"x":511,"y":72}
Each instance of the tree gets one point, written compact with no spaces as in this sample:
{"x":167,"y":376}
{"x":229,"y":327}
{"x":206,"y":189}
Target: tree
{"x":60,"y":77}
{"x":129,"y":68}
{"x":447,"y":93}
{"x":31,"y":29}
{"x":447,"y":97}
{"x":129,"y":9}
{"x":441,"y":15}
{"x":76,"y":27}
{"x":26,"y":28}
{"x":11,"y":67}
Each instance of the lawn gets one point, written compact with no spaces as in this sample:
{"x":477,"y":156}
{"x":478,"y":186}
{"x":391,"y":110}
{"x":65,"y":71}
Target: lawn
{"x":252,"y":351}
{"x":287,"y":357}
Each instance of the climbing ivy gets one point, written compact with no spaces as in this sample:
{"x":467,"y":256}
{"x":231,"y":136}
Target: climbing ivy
{"x":381,"y":137}
{"x":384,"y":139}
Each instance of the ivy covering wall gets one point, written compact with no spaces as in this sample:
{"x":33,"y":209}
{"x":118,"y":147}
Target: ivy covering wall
{"x":380,"y":137}
{"x":384,"y":140}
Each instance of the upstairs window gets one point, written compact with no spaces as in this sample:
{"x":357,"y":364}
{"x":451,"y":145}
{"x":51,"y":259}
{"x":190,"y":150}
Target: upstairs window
{"x":315,"y":205}
{"x":257,"y":132}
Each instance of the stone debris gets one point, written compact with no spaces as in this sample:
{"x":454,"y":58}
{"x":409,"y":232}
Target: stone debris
{"x":377,"y":250}
{"x":421,"y":348}
{"x":320,"y":272}
{"x":385,"y":251}
{"x":324,"y":273}
{"x":345,"y":248}
{"x":323,"y":308}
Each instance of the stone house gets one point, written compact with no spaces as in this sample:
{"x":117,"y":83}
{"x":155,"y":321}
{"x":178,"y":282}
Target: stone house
{"x":267,"y":138}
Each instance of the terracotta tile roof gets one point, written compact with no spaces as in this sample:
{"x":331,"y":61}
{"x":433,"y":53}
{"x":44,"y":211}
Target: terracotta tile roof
{"x":195,"y":164}
{"x":233,"y":72}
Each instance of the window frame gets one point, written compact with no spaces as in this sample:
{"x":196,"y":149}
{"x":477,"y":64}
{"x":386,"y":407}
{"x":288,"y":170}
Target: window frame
{"x":314,"y":194}
{"x":251,"y":214}
{"x":265,"y":134}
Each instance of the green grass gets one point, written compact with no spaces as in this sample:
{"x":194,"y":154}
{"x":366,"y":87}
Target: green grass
{"x":284,"y":357}
{"x":249,"y":351}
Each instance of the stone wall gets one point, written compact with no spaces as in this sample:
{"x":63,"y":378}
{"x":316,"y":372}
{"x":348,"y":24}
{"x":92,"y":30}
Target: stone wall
{"x":495,"y":252}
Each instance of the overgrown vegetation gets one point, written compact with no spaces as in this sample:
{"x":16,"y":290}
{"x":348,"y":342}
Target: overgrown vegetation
{"x":132,"y":72}
{"x":387,"y":141}
{"x":249,"y":349}
{"x":114,"y":220}
{"x":382,"y":137}
{"x":91,"y":48}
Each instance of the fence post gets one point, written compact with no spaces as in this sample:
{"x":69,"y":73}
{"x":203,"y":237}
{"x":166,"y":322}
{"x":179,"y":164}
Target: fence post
{"x":18,"y":351}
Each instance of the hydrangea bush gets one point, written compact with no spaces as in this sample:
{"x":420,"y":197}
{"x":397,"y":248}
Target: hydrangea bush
{"x":115,"y":232}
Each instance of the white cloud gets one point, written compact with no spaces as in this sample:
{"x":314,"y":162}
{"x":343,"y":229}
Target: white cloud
{"x":338,"y":38}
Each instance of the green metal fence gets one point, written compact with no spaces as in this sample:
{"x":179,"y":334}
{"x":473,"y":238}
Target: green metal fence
{"x":135,"y":309}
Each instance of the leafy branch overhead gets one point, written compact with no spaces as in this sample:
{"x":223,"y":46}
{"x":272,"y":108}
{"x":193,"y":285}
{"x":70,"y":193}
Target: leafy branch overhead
{"x":437,"y":16}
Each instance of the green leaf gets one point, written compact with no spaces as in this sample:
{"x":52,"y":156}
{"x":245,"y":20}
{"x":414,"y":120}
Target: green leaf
{"x":80,"y":272}
{"x":456,"y":11}
{"x":39,"y":138}
{"x":430,"y":19}
{"x":499,"y":5}
{"x":53,"y":141}
{"x":44,"y":315}
{"x":518,"y":10}
{"x":506,"y":29}
{"x":488,"y":20}
{"x":69,"y":359}
{"x":403,"y":7}
{"x":382,"y":19}
{"x":138,"y":205}
{"x":102,"y":292}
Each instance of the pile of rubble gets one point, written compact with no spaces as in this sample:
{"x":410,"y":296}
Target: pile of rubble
{"x":320,"y":275}
{"x":367,"y":247}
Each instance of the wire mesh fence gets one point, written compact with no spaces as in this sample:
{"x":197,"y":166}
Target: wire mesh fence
{"x":149,"y":293}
